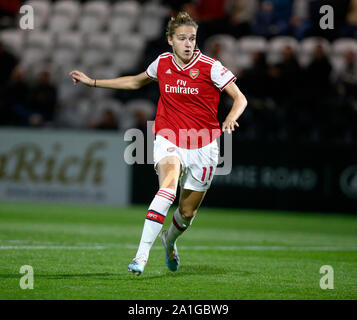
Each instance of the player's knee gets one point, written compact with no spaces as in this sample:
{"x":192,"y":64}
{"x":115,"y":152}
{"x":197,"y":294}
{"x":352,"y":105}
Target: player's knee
{"x":187,"y":212}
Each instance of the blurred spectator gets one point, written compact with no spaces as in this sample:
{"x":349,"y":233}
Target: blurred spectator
{"x":222,"y":48}
{"x":282,"y":16}
{"x":211,"y":16}
{"x":289,"y":74}
{"x":43,"y":98}
{"x":7,"y":63}
{"x":224,"y":56}
{"x":264,"y":19}
{"x":350,"y":28}
{"x":15,"y":108}
{"x":273,"y":18}
{"x":344,"y":112}
{"x":318,"y":73}
{"x":241,"y":14}
{"x":317,"y":95}
{"x":300,"y":20}
{"x":142,"y":111}
{"x":347,"y":77}
{"x":109,"y":121}
{"x":253,"y":81}
{"x":210,"y":11}
{"x":141,"y":119}
{"x":286,"y":101}
{"x":178,"y":5}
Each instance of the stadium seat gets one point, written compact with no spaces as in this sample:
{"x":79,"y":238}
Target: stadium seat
{"x":124,"y":17}
{"x":76,"y":113}
{"x":13,"y":40}
{"x":64,"y":15}
{"x":104,"y":104}
{"x":33,"y":56}
{"x":150,"y":24}
{"x":66,"y":7}
{"x":68,"y":92}
{"x":243,"y":61}
{"x":40,"y":39}
{"x":307,"y":48}
{"x":38,"y":47}
{"x":227,"y":41}
{"x":339,"y":48}
{"x":64,"y":57}
{"x":32,"y":71}
{"x":93,"y":57}
{"x":245,"y":47}
{"x":127,"y":51}
{"x":250,"y":44}
{"x":103,"y":72}
{"x":70,"y":40}
{"x":98,"y":49}
{"x":94,"y":16}
{"x":141,"y":104}
{"x":223,"y":48}
{"x":62,"y":71}
{"x":155,"y":9}
{"x":42,"y":12}
{"x":129,"y":118}
{"x":60,"y":23}
{"x":150,"y":27}
{"x":99,"y":40}
{"x":91,"y":111}
{"x":277,"y":44}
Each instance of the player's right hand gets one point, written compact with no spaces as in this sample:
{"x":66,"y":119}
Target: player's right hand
{"x":78,"y":76}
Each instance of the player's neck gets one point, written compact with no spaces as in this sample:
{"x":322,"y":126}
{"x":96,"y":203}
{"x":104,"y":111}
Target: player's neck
{"x":183,"y":63}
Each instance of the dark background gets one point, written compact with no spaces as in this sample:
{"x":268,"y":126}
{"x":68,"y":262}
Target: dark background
{"x":300,"y":115}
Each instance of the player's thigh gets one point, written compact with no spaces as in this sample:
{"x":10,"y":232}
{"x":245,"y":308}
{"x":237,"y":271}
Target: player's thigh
{"x":190,"y":201}
{"x":168,"y":170}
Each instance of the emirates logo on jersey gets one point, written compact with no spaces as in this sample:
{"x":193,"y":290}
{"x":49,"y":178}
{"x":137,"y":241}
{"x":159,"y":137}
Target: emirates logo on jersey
{"x":194,"y":73}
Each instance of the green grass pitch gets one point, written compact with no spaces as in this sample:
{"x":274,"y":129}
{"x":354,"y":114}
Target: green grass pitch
{"x":82,"y":252}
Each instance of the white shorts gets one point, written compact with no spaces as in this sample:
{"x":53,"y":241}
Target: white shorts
{"x":198,"y":165}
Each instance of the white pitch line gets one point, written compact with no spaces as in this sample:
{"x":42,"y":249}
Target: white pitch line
{"x":221,"y":248}
{"x":51,"y":247}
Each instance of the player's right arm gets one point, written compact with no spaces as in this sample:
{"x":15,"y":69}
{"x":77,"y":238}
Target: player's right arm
{"x":122,"y":83}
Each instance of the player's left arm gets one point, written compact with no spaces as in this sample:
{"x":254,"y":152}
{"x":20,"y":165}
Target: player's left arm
{"x":239,"y":104}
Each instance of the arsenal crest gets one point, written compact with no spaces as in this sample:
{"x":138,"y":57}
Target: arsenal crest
{"x":194,"y":73}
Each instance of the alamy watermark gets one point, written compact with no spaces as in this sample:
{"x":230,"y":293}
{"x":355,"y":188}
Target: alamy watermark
{"x":27,"y":19}
{"x":135,"y":152}
{"x":327,"y":280}
{"x":327,"y":20}
{"x":27,"y":280}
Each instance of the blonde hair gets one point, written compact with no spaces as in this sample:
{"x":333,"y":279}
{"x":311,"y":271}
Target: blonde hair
{"x":182,"y":18}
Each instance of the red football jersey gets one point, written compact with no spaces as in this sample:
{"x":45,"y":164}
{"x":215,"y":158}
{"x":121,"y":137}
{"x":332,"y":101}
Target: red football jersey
{"x":187,"y":109}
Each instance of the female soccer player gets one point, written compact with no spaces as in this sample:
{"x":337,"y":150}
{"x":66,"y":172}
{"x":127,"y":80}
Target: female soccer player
{"x":186,"y":129}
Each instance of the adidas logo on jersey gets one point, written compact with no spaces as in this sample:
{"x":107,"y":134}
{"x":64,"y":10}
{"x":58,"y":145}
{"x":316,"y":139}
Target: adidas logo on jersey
{"x":168,"y":71}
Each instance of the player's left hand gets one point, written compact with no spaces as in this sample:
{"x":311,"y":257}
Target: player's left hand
{"x":229,"y":125}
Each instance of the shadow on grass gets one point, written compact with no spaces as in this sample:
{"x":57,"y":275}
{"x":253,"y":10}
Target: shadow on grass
{"x":184,"y":271}
{"x":195,"y":270}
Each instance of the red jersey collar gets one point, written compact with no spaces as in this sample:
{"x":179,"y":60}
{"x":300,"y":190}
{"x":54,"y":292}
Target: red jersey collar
{"x":190,"y":64}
